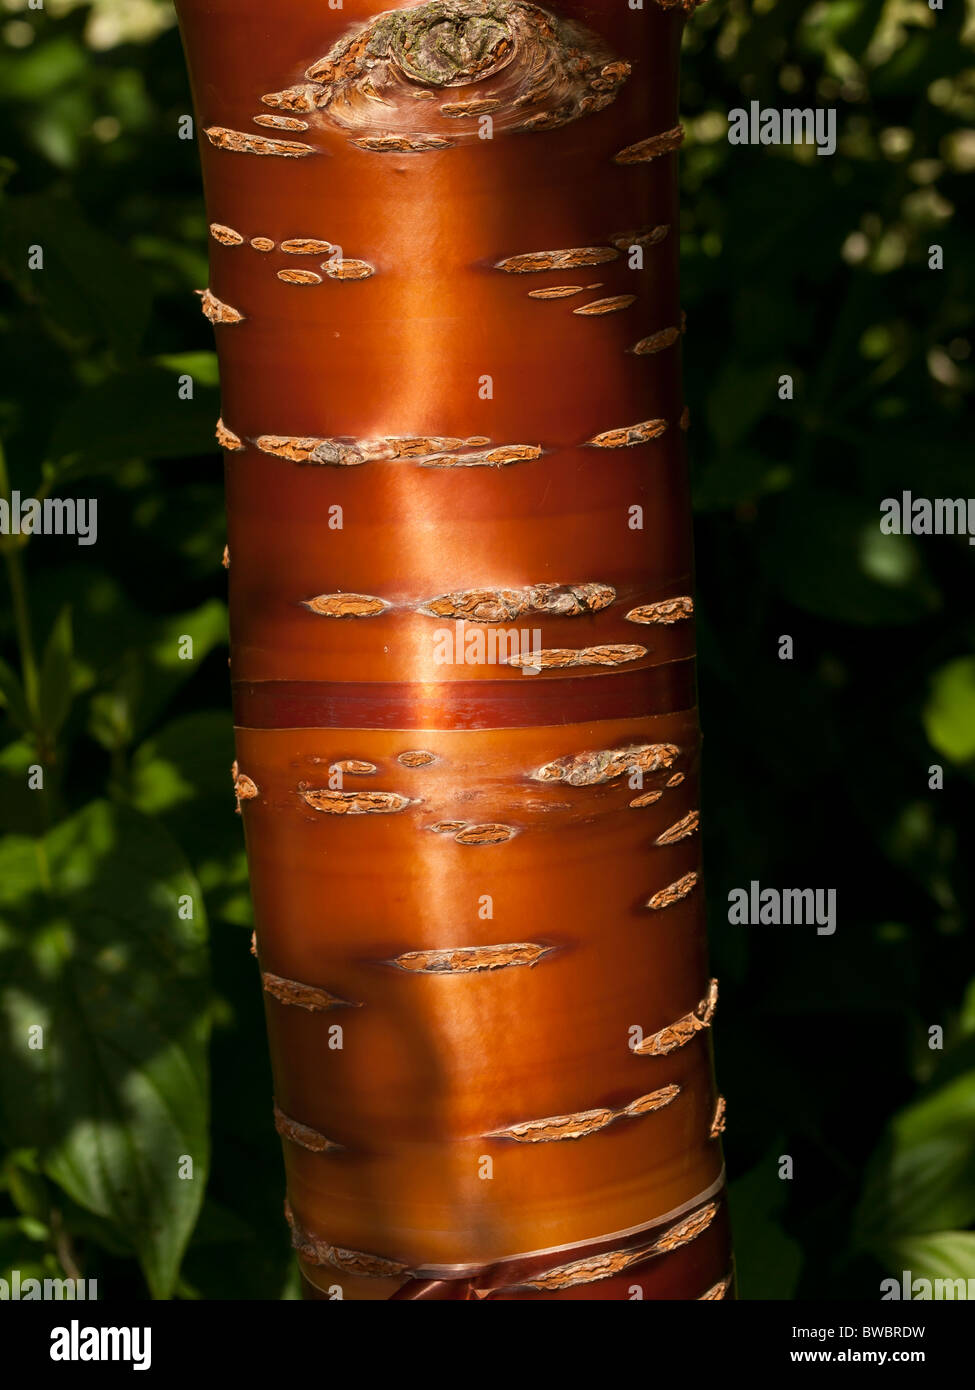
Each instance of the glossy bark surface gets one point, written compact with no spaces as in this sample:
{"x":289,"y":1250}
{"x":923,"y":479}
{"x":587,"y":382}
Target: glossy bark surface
{"x":407,"y":807}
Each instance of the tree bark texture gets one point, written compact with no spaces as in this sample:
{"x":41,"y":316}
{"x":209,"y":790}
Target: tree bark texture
{"x":444,"y":288}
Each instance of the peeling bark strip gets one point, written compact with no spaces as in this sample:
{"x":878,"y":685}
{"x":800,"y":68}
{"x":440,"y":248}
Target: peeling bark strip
{"x":354,"y":767}
{"x":302,"y":1135}
{"x":346,"y":605}
{"x":651,"y":148}
{"x":306,"y":246}
{"x":629,"y":435}
{"x":416,"y":757}
{"x":245,"y":789}
{"x":656,"y":342}
{"x":718,"y":1120}
{"x":348,"y":270}
{"x":319,"y":1252}
{"x":485,"y":835}
{"x":225,"y":557}
{"x":675,"y":781}
{"x":674,"y":892}
{"x":557,"y":658}
{"x":353,"y":803}
{"x":448,"y":827}
{"x":468,"y":960}
{"x":557,"y":260}
{"x":720,"y":1289}
{"x":556,"y":292}
{"x":593,"y":769}
{"x":294,"y":276}
{"x":225,"y":235}
{"x":586,"y":1122}
{"x":310,"y":997}
{"x":504,"y":605}
{"x":685,"y":419}
{"x":281,"y":122}
{"x":334,"y":452}
{"x":667,"y":611}
{"x":227,"y":439}
{"x":675,"y":1035}
{"x":216,"y":311}
{"x":241,"y":142}
{"x":680,"y":830}
{"x":612,"y":305}
{"x":534,"y":70}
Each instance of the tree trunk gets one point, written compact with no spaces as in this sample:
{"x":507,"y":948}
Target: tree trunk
{"x":444,"y":287}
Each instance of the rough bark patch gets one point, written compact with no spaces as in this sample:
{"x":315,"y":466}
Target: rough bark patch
{"x":335,"y":803}
{"x":225,"y":235}
{"x":556,"y":292}
{"x":402,"y":144}
{"x":612,"y":305}
{"x":628,"y":435}
{"x":306,"y":246}
{"x":345,"y":605}
{"x":448,"y":827}
{"x":340,"y":453}
{"x":585,"y":1122}
{"x":319,"y":1252}
{"x":416,"y":757}
{"x":640,"y":236}
{"x":262,"y":243}
{"x":467,"y":960}
{"x":647,"y":799}
{"x":294,"y":276}
{"x":718,"y":1119}
{"x":491,"y":834}
{"x":557,"y":658}
{"x":216,"y":311}
{"x":656,"y":342}
{"x":355,"y":767}
{"x":303,"y":97}
{"x":686,"y":1230}
{"x":348,"y":270}
{"x":720,"y":1289}
{"x":281,"y":122}
{"x":492,"y":458}
{"x":676,"y":1035}
{"x":310,"y":997}
{"x":225,"y":557}
{"x":593,"y":769}
{"x":504,"y":605}
{"x":675,"y":781}
{"x":530,"y":261}
{"x":674,"y":892}
{"x":302,"y":1135}
{"x":241,"y":142}
{"x":473,"y":107}
{"x":680,"y":830}
{"x":227,"y":439}
{"x":667,"y":611}
{"x":245,"y":789}
{"x":652,"y":147}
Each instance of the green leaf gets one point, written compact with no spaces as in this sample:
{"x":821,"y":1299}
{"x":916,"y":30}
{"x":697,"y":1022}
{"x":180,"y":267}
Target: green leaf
{"x":768,"y":1261}
{"x":15,"y":701}
{"x":182,"y":775}
{"x":94,"y":951}
{"x":88,"y":286}
{"x":135,"y":414}
{"x":55,"y":678}
{"x":943,"y":1255}
{"x":152,"y":669}
{"x":922,"y":1178}
{"x":949,"y":715}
